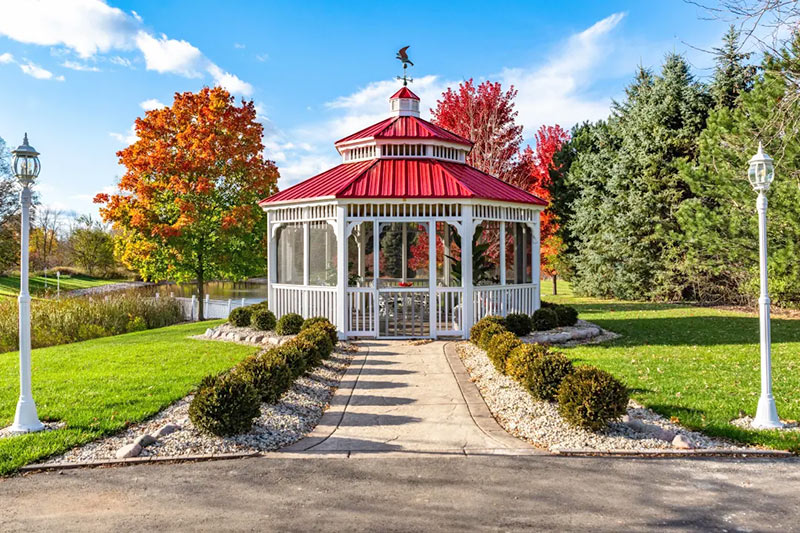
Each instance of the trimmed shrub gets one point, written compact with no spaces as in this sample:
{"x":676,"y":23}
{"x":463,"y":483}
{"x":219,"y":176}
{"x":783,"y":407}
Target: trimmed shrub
{"x":240,"y":317}
{"x":544,"y":319}
{"x":546,"y":305}
{"x":268,"y":373}
{"x":296,"y":353}
{"x":546,"y":374}
{"x":488,"y":332}
{"x":321,"y":342}
{"x":566,"y":315}
{"x":477,"y":329}
{"x":518,"y":323}
{"x":289,"y":324}
{"x":591,"y":398}
{"x":520,"y":359}
{"x":225,"y":405}
{"x":263,"y":319}
{"x":499,"y":348}
{"x":325,"y":324}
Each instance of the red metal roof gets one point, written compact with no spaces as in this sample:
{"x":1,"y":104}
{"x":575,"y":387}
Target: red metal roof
{"x":406,"y":127}
{"x":404,"y":92}
{"x":405,"y":178}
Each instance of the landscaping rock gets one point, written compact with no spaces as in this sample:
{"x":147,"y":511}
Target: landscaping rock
{"x":144,"y":440}
{"x":165,"y":430}
{"x":130,"y":450}
{"x":209,"y":332}
{"x":682,"y":442}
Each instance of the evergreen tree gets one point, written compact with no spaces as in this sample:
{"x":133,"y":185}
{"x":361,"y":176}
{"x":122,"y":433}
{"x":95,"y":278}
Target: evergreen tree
{"x":732,"y":75}
{"x":721,"y":224}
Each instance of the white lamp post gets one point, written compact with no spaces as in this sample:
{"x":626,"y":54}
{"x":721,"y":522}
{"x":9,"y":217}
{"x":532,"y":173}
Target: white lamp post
{"x":26,"y":168}
{"x":760,"y":176}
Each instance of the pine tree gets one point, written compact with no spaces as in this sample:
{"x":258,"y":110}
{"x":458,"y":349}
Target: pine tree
{"x":732,"y":75}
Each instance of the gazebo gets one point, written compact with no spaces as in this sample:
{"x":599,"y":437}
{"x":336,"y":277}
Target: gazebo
{"x":403,"y":239}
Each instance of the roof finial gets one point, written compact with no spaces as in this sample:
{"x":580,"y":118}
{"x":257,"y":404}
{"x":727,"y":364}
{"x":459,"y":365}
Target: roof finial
{"x":402,"y":55}
{"x":25,"y":139}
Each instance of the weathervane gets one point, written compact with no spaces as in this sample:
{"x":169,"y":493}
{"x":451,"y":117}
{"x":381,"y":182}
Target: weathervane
{"x":402,"y":55}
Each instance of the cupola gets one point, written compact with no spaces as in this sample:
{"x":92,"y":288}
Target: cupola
{"x":404,"y":103}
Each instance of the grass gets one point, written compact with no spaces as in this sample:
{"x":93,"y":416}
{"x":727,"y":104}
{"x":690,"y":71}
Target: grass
{"x":700,"y":365}
{"x":9,"y":285}
{"x":101,"y":386}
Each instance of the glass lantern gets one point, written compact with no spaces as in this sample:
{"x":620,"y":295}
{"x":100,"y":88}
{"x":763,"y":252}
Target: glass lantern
{"x":25,"y":162}
{"x":761,"y":170}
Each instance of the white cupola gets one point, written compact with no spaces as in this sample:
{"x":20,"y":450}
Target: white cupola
{"x":404,"y":103}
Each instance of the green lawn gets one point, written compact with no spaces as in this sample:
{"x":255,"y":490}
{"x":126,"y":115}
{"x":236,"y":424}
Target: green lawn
{"x":700,"y":365}
{"x":100,"y":386}
{"x":9,"y":285}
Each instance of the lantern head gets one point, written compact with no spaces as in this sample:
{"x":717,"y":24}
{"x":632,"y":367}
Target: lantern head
{"x":25,"y":162}
{"x":761,"y":170}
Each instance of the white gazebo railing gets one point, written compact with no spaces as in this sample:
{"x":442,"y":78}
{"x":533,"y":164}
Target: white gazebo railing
{"x":504,"y":299}
{"x":305,"y":300}
{"x":449,"y":311}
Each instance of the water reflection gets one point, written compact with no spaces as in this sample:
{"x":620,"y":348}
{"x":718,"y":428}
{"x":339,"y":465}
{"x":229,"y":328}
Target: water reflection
{"x":218,"y":290}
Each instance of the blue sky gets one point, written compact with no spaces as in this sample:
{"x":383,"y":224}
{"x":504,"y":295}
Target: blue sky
{"x":76,"y":74}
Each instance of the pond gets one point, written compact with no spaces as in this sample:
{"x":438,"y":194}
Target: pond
{"x":219,"y":290}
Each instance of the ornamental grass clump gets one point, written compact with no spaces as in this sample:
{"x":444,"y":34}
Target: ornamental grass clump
{"x":240,"y":317}
{"x":520,"y":359}
{"x":268,"y":373}
{"x":544,"y":319}
{"x":546,"y":374}
{"x":325,"y":324}
{"x":518,"y":323}
{"x":591,"y":398}
{"x":225,"y":405}
{"x":499,"y":348}
{"x":289,"y":324}
{"x":488,"y":332}
{"x":263,"y":319}
{"x":477,"y":330}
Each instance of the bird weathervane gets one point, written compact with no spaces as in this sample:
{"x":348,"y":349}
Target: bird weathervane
{"x":402,"y":55}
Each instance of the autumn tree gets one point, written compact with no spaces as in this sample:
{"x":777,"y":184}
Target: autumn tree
{"x":91,"y":246}
{"x":187,"y":205}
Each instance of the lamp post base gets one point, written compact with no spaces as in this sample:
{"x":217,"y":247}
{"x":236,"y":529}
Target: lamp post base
{"x":26,"y":420}
{"x":767,"y":414}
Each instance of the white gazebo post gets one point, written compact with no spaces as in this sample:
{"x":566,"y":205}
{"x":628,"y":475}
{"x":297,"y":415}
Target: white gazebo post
{"x":467,"y":229}
{"x":341,"y":270}
{"x":26,"y":168}
{"x":760,"y":175}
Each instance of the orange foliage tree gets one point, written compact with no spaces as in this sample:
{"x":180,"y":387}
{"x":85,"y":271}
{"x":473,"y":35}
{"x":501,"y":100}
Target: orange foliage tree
{"x":187,"y":206}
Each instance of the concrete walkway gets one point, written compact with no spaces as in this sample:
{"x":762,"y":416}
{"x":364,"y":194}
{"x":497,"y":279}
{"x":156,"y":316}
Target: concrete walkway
{"x":401,"y":397}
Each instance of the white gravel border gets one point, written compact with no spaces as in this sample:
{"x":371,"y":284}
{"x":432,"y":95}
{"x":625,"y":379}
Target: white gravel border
{"x":297,"y":413}
{"x":540,"y":423}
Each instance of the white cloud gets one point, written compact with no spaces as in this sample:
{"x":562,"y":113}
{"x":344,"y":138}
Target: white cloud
{"x":85,"y":26}
{"x":34,"y":70}
{"x":262,"y":57}
{"x":228,"y":81}
{"x":170,"y":55}
{"x":127,"y":138}
{"x":6,"y":58}
{"x":556,"y":92}
{"x":74,"y":65}
{"x":150,"y":104}
{"x":239,"y":46}
{"x":91,"y":27}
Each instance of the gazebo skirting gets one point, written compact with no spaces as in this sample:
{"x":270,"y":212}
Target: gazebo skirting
{"x":372,"y":268}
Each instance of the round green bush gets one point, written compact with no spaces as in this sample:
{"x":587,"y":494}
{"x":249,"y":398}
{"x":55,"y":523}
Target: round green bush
{"x":544,"y":319}
{"x":321,"y":321}
{"x":268,"y":373}
{"x":225,"y":405}
{"x":317,"y":336}
{"x":591,"y":398}
{"x":518,"y":323}
{"x":488,"y":332}
{"x":289,"y":324}
{"x":566,"y":315}
{"x":499,"y":348}
{"x":240,"y":317}
{"x":519,"y":360}
{"x":476,"y":330}
{"x":546,"y":305}
{"x":263,"y":319}
{"x":546,"y":374}
{"x":296,"y":353}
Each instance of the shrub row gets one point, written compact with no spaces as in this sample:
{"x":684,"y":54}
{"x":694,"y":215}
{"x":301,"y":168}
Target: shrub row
{"x":81,"y":318}
{"x":259,"y":316}
{"x":587,"y":396}
{"x":227,"y":404}
{"x":548,"y":317}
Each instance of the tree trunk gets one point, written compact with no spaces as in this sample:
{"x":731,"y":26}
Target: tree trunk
{"x":555,"y":284}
